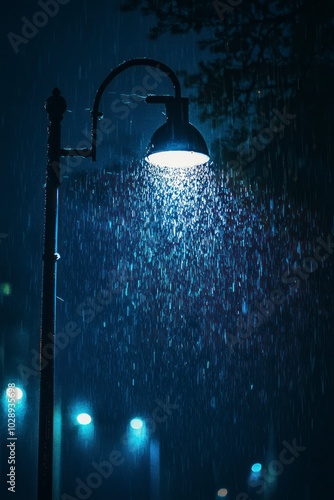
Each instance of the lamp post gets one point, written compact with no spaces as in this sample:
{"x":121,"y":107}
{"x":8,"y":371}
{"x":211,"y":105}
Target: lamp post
{"x":175,"y":143}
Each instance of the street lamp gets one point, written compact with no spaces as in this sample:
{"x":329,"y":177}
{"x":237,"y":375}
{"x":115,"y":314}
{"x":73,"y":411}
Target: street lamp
{"x":176,"y":143}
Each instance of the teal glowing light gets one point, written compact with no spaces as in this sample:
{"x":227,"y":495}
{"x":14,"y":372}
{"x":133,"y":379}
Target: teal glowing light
{"x":84,"y":419}
{"x":18,"y":393}
{"x":5,"y":289}
{"x":136,"y":424}
{"x":137,"y":435}
{"x":256,"y":467}
{"x":13,"y":400}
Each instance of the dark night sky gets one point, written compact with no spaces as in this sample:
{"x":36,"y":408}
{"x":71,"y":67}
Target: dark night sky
{"x":186,"y":256}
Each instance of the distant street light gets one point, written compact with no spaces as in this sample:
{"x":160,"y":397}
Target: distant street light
{"x":256,"y":468}
{"x":176,"y":143}
{"x":136,"y":423}
{"x":84,"y":419}
{"x":18,"y":393}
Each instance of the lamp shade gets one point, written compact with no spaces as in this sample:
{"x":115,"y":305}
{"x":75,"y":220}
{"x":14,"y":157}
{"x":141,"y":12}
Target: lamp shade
{"x":177,"y":146}
{"x":177,"y":143}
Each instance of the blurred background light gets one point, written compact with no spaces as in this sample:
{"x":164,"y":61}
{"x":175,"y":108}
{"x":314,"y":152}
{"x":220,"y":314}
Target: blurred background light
{"x":18,"y":393}
{"x":136,"y":423}
{"x":256,"y":467}
{"x":5,"y":289}
{"x":137,"y":435}
{"x":20,"y":403}
{"x":84,"y":419}
{"x":222,"y":493}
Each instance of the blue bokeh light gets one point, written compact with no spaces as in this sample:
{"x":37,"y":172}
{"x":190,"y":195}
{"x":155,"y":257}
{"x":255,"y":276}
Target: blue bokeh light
{"x":16,"y":398}
{"x":136,"y":424}
{"x":84,"y":418}
{"x":18,"y":393}
{"x":256,"y":467}
{"x":137,"y":435}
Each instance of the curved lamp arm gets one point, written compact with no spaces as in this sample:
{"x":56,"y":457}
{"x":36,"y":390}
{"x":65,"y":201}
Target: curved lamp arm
{"x":96,"y":114}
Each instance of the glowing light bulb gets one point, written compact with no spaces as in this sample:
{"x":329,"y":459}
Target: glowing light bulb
{"x":175,"y":159}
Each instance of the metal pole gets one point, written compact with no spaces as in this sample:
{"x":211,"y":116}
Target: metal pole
{"x":55,"y":107}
